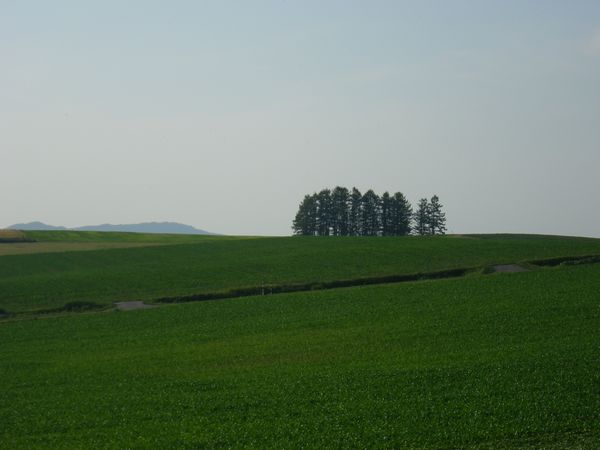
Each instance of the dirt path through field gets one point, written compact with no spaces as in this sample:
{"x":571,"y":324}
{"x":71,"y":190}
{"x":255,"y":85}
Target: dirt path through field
{"x":130,"y":306}
{"x":509,"y":268}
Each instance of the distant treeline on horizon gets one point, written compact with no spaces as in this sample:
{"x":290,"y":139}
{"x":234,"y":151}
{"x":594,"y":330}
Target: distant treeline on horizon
{"x":341,"y":212}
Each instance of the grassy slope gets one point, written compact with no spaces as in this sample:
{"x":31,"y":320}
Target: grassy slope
{"x":489,"y":362}
{"x":30,"y":282}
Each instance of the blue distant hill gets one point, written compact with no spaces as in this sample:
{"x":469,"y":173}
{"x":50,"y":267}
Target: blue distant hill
{"x":146,"y":227}
{"x":34,"y":226}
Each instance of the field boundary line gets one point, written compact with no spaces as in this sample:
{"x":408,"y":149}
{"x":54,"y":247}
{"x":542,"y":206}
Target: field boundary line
{"x":270,"y":289}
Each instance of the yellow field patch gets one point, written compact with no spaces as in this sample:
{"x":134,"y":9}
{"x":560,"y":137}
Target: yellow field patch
{"x":11,"y":235}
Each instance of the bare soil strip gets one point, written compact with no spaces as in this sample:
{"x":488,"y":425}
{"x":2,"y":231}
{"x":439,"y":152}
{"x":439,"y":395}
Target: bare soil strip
{"x":130,"y":306}
{"x":509,"y":268}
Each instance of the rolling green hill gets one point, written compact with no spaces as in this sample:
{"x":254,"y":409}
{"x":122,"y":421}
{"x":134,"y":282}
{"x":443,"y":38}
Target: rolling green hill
{"x":496,"y":361}
{"x":211,"y":264}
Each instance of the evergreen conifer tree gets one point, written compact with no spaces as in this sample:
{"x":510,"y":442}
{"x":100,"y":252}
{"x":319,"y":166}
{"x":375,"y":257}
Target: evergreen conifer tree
{"x":305,"y":220}
{"x":402,"y":214}
{"x":355,"y":214}
{"x":371,"y":214}
{"x":437,"y":218}
{"x":299,"y":224}
{"x":339,"y":200}
{"x":421,"y":219}
{"x":387,"y":219}
{"x":324,"y":213}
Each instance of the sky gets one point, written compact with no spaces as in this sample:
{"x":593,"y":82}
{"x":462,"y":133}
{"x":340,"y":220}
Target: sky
{"x":224,"y":114}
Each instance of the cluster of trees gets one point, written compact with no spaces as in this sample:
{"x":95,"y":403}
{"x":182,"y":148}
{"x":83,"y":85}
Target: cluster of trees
{"x":341,"y":212}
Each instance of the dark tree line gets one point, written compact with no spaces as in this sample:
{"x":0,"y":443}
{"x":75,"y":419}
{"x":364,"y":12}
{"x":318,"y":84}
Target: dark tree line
{"x":341,"y":212}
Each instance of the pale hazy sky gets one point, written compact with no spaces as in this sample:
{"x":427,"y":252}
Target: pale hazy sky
{"x":224,"y":114}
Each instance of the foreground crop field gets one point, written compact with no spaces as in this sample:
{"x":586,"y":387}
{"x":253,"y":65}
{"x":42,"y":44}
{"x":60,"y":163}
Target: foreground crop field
{"x":496,"y":361}
{"x":209,"y":264}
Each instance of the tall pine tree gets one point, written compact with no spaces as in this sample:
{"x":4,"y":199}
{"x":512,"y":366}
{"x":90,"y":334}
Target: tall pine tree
{"x":339,"y":201}
{"x":355,"y":214}
{"x":371,"y":215}
{"x":401,"y":215}
{"x":324,"y":213}
{"x":299,"y":224}
{"x":387,"y":219}
{"x":437,"y":218}
{"x":305,"y":222}
{"x":421,"y":218}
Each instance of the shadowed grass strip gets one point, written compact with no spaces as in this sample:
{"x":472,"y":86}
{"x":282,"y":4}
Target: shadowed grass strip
{"x":301,"y":287}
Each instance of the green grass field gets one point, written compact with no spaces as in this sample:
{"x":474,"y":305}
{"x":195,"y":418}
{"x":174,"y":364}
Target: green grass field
{"x":505,"y":360}
{"x":488,"y":361}
{"x":184,"y":265}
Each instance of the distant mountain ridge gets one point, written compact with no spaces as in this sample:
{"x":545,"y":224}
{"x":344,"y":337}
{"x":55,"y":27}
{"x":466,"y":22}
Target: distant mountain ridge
{"x":35,"y":226}
{"x":145,"y":227}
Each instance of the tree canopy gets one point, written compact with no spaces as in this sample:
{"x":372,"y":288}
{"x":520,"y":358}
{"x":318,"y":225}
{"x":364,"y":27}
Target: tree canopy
{"x":343,"y":212}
